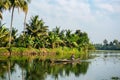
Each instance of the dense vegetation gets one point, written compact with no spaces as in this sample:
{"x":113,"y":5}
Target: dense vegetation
{"x":112,"y":45}
{"x":37,"y":35}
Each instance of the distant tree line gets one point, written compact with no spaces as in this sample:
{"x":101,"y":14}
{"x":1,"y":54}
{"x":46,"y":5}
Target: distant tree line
{"x":112,"y":45}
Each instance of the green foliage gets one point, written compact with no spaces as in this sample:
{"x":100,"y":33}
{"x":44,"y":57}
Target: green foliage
{"x":4,"y":32}
{"x":61,"y":42}
{"x":64,"y":53}
{"x":3,"y":50}
{"x":112,"y":45}
{"x":36,"y":35}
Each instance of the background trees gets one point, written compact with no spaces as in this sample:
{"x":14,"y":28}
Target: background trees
{"x":112,"y":45}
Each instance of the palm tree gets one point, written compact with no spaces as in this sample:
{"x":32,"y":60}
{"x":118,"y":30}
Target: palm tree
{"x":1,"y":8}
{"x":4,"y":5}
{"x":56,"y":30}
{"x":22,"y":4}
{"x":4,"y":32}
{"x":24,"y":7}
{"x":54,"y":39}
{"x":116,"y":42}
{"x":37,"y":29}
{"x":14,"y":4}
{"x":11,"y":5}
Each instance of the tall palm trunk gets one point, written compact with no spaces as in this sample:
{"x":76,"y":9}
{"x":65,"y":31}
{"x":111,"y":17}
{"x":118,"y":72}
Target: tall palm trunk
{"x":10,"y":39}
{"x":25,"y":22}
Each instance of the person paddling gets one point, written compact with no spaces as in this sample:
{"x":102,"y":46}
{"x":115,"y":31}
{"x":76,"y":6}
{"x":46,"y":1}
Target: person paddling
{"x":72,"y":57}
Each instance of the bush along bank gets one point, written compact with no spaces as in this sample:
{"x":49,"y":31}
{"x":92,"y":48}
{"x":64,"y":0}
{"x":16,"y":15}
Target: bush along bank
{"x":43,"y":53}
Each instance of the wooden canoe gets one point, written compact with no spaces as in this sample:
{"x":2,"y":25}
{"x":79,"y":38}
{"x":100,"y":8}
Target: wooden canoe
{"x":66,"y":60}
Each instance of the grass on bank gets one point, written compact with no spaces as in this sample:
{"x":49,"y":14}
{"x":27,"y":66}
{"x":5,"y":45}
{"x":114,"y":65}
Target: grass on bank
{"x":43,"y":53}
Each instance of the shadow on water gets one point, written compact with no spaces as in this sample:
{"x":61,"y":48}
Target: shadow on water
{"x":38,"y":70}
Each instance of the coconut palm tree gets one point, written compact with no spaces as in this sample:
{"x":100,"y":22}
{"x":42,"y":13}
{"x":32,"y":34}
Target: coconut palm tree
{"x":1,"y":8}
{"x":37,"y":29}
{"x":4,"y":32}
{"x":54,"y":39}
{"x":11,"y":5}
{"x":24,"y":7}
{"x":4,"y":5}
{"x":22,"y":4}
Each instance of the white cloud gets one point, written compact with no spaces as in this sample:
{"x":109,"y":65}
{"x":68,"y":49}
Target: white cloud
{"x":67,"y":8}
{"x":92,"y":16}
{"x":106,"y":7}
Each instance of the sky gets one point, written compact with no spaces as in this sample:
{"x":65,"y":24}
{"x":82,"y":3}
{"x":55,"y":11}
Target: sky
{"x":99,"y":18}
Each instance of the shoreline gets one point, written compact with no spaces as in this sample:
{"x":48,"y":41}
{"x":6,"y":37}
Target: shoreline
{"x":42,"y":53}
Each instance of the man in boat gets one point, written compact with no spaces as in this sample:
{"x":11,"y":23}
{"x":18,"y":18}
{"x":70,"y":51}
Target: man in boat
{"x":72,"y":57}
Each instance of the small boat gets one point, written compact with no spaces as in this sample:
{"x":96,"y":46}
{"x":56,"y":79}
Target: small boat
{"x":66,"y":60}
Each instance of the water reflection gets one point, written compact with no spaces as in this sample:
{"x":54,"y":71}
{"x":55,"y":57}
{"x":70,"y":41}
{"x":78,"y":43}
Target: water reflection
{"x":37,"y":70}
{"x":41,"y":70}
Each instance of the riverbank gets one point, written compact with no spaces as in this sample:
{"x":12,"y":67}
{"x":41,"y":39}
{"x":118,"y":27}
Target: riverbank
{"x":42,"y":53}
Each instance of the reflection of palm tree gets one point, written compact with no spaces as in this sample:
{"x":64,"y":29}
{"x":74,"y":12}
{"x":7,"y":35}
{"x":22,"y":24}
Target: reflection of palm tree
{"x":6,"y":69}
{"x":36,"y":71}
{"x":11,"y":68}
{"x":3,"y":69}
{"x":23,"y":65}
{"x":9,"y":64}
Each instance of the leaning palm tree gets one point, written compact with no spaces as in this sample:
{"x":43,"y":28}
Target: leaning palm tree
{"x":24,"y":7}
{"x":14,"y":4}
{"x":22,"y":4}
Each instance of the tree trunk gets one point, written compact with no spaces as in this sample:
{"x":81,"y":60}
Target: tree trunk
{"x":25,"y":22}
{"x":53,"y":45}
{"x":1,"y":15}
{"x":11,"y":27}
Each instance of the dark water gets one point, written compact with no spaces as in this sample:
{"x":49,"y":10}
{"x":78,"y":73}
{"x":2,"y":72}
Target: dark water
{"x":98,"y":66}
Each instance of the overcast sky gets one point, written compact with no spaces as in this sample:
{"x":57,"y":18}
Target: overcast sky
{"x":99,"y":18}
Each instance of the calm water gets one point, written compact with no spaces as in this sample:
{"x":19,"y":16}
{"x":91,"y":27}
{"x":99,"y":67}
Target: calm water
{"x":98,"y":66}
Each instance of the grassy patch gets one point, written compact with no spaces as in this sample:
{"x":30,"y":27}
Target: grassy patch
{"x":45,"y":53}
{"x":63,"y":53}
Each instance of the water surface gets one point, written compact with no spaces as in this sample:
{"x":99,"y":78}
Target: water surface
{"x":98,"y":66}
